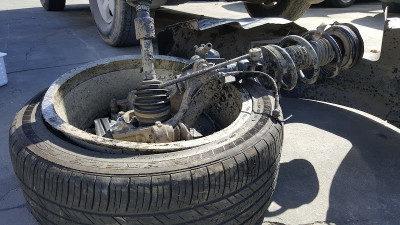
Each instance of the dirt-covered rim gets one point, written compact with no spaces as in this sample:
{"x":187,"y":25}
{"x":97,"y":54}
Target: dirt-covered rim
{"x":98,"y":143}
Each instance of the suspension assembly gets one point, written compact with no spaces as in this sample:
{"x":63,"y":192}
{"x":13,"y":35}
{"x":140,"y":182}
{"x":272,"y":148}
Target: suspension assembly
{"x":318,"y":54}
{"x":338,"y":47}
{"x":151,"y":103}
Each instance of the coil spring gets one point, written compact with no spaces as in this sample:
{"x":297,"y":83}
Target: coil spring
{"x":340,"y":46}
{"x":151,"y":103}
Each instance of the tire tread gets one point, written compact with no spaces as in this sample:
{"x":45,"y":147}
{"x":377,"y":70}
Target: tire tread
{"x":230,"y":190}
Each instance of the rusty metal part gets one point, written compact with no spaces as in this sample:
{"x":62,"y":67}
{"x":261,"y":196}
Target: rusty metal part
{"x":327,"y":50}
{"x":158,"y":133}
{"x":276,"y":113}
{"x":349,"y":41}
{"x":193,"y":104}
{"x":297,"y":54}
{"x":151,"y":103}
{"x":302,"y":60}
{"x":202,"y":79}
{"x":145,"y":32}
{"x":372,"y":86}
{"x":291,"y":67}
{"x":201,"y":85}
{"x":317,"y":48}
{"x":206,"y":70}
{"x":206,"y":51}
{"x":182,"y":132}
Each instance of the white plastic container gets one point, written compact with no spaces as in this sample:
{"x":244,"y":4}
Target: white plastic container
{"x":3,"y":73}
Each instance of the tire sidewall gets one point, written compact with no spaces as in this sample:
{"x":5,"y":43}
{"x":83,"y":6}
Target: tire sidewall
{"x":53,"y":5}
{"x":110,"y":31}
{"x":45,"y":4}
{"x":288,"y":9}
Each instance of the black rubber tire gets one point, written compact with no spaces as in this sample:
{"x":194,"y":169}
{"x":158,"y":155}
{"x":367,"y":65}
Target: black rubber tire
{"x":339,"y":3}
{"x":121,"y":31}
{"x":393,"y":7}
{"x":66,"y":184}
{"x":288,"y":9}
{"x":53,"y":5}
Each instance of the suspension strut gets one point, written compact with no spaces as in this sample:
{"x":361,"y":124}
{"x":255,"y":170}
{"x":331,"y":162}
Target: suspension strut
{"x":324,"y":51}
{"x":151,"y":103}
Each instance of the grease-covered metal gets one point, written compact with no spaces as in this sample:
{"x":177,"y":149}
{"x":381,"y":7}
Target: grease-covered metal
{"x":151,"y":103}
{"x":208,"y":72}
{"x":319,"y":49}
{"x":373,"y":86}
{"x":148,"y":117}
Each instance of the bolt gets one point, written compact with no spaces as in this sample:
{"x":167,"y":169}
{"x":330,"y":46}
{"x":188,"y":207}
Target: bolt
{"x":255,"y":54}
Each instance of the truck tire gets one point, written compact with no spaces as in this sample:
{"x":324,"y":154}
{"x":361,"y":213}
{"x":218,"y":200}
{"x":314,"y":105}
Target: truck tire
{"x":288,"y":9}
{"x":53,"y":5}
{"x":339,"y":3}
{"x":114,"y":21}
{"x":67,"y":184}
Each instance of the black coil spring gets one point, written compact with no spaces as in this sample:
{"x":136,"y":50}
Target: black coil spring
{"x":151,"y":103}
{"x":320,"y":51}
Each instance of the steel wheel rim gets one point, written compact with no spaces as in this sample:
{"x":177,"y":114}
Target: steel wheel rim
{"x":106,"y":9}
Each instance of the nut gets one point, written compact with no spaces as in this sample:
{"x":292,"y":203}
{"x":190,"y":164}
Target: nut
{"x":255,"y":54}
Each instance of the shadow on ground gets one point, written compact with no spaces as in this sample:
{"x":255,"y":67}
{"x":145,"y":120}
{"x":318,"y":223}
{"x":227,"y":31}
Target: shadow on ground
{"x":297,"y":185}
{"x":371,"y":21}
{"x":365,"y":187}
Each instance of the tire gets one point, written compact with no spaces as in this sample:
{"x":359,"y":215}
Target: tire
{"x":53,"y":5}
{"x":393,"y":7}
{"x":118,"y":28}
{"x":67,"y":184}
{"x":288,"y":9}
{"x":340,"y":3}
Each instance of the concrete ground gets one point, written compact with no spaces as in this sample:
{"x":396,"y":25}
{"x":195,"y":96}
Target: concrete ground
{"x":338,"y":165}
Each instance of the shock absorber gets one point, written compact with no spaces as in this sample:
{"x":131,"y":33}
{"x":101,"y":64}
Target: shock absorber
{"x":326,"y":52}
{"x":323,"y":51}
{"x":151,"y":103}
